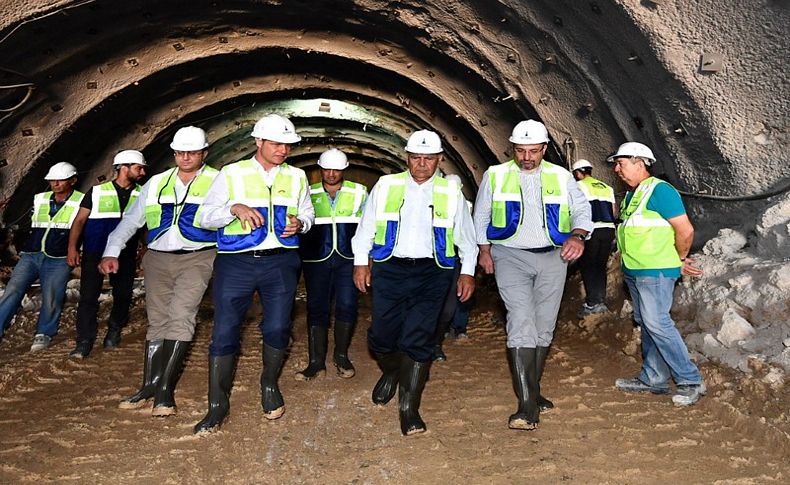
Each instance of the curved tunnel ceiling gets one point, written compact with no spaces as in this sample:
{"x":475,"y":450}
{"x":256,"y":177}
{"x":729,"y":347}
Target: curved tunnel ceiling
{"x":358,"y":75}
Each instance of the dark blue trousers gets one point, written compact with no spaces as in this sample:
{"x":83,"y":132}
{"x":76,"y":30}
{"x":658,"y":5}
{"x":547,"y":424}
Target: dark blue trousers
{"x":407,"y":298}
{"x":236,"y":278}
{"x":328,"y":280}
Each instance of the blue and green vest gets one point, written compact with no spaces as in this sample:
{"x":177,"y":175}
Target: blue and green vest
{"x":163,"y":211}
{"x":507,"y":200}
{"x":601,"y":198}
{"x":247,"y":186}
{"x":105,"y":215}
{"x":389,"y":200}
{"x":50,"y":234}
{"x":334,"y":226}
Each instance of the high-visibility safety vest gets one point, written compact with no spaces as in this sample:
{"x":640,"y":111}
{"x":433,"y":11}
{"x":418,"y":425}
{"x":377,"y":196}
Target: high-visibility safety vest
{"x":50,"y":234}
{"x":247,"y":186}
{"x":163,"y":211}
{"x":506,"y":203}
{"x":601,"y":198}
{"x":105,"y":215}
{"x":645,"y":239}
{"x":389,"y":200}
{"x":334,"y":226}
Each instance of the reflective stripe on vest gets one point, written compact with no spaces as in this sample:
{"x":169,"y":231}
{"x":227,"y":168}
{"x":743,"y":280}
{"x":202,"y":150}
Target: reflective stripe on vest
{"x":645,"y":239}
{"x":334,"y":226}
{"x":601,"y":198}
{"x":507,"y":200}
{"x":163,"y":211}
{"x":247,"y":186}
{"x":390,"y":197}
{"x":105,"y":203}
{"x":41,"y":223}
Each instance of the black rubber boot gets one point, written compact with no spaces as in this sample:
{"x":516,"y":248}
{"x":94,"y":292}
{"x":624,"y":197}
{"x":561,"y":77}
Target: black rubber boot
{"x":271,"y":399}
{"x":525,"y":381}
{"x":113,"y":337}
{"x":220,"y":380}
{"x":540,"y":355}
{"x":412,"y":382}
{"x":387,"y":384}
{"x":316,"y":347}
{"x":153,"y":366}
{"x":343,"y":333}
{"x":164,"y":400}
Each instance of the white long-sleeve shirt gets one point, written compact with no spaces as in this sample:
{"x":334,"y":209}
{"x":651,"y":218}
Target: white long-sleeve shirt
{"x":532,"y":233}
{"x":415,"y":239}
{"x":215,"y":211}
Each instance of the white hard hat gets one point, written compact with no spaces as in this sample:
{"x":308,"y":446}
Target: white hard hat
{"x":129,"y":157}
{"x":454,"y":178}
{"x":189,"y":139}
{"x":275,"y":128}
{"x":634,"y":149}
{"x":61,"y":171}
{"x":580,"y":164}
{"x":333,"y":159}
{"x":529,"y":132}
{"x":424,"y":142}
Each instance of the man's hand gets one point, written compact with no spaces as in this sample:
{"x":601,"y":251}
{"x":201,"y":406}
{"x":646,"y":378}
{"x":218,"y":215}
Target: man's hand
{"x":485,"y":260}
{"x":73,"y":257}
{"x":293,"y":227}
{"x":108,"y":265}
{"x":688,"y":268}
{"x":572,"y":249}
{"x":466,"y":286}
{"x":250,"y":218}
{"x":362,"y":278}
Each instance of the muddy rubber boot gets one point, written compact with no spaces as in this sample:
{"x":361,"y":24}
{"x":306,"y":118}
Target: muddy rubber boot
{"x":316,"y":347}
{"x":220,"y":380}
{"x":343,"y":333}
{"x":525,"y":381}
{"x":387,"y":384}
{"x":153,"y":366}
{"x":271,"y":398}
{"x":412,"y":382}
{"x":540,"y":356}
{"x":164,"y":399}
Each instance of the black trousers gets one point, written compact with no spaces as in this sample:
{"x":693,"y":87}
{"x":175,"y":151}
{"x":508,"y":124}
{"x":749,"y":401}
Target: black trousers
{"x":592,"y":264}
{"x":91,"y":281}
{"x":408,"y":295}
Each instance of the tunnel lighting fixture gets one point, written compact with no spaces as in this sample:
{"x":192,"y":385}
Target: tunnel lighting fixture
{"x":483,"y":122}
{"x":551,"y":59}
{"x":27,"y":132}
{"x":56,"y":107}
{"x":633,"y":57}
{"x":711,"y":62}
{"x":236,"y":84}
{"x":3,"y":163}
{"x":133,"y":62}
{"x":91,"y":85}
{"x":223,"y":39}
{"x":178,"y":46}
{"x":680,"y":130}
{"x":324,"y":107}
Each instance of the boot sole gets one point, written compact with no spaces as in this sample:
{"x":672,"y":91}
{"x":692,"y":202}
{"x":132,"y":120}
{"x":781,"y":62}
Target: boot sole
{"x":345,"y":373}
{"x":276,"y":414}
{"x":303,"y":378}
{"x":163,"y":411}
{"x":415,"y":431}
{"x":133,"y":405}
{"x":522,"y":424}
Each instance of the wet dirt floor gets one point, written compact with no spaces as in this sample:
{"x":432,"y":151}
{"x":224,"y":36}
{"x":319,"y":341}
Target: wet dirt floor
{"x":59,"y":420}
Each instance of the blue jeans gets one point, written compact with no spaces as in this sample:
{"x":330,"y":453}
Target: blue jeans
{"x":664,"y":352}
{"x":332,"y":279}
{"x":53,"y":273}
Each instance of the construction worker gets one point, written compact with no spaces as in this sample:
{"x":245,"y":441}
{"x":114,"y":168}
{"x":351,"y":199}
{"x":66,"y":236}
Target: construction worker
{"x":100,"y":212}
{"x":259,"y":207}
{"x":654,"y":239}
{"x":410,"y":227}
{"x":177,"y":265}
{"x":598,"y":247}
{"x":328,"y":264}
{"x":531,"y":219}
{"x":43,"y":256}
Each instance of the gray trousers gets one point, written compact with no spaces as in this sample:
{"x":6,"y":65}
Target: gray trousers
{"x":174,"y":287}
{"x":531,"y":285}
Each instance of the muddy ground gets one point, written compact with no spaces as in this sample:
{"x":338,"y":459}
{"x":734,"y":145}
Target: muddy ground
{"x":60,"y":422}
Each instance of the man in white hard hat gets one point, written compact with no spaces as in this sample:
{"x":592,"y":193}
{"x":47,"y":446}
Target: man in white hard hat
{"x":101,"y":210}
{"x":328,"y":265}
{"x":177,"y":265}
{"x":597,"y":249}
{"x":43,"y":256}
{"x":405,"y":248}
{"x":259,"y":206}
{"x":531,"y":220}
{"x":654,"y":239}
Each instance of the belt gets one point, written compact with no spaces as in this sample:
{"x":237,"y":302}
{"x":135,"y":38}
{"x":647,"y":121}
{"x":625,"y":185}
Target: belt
{"x":184,"y":251}
{"x":546,"y":249}
{"x":410,"y":261}
{"x":259,"y":253}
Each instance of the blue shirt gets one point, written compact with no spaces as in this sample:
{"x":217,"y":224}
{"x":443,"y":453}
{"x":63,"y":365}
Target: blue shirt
{"x":666,"y":201}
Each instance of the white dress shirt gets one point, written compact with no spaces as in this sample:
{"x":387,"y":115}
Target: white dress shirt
{"x":134,"y":218}
{"x":415,"y":236}
{"x":215,"y":211}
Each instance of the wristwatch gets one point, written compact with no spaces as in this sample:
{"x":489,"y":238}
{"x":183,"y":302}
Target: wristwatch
{"x":581,"y":237}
